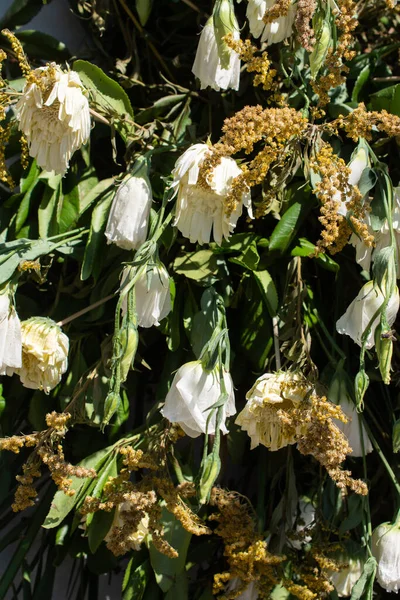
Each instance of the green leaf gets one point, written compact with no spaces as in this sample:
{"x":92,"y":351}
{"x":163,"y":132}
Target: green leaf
{"x":99,"y":528}
{"x":96,"y":239}
{"x":41,"y":45}
{"x":306,"y":248}
{"x":367,"y":181}
{"x":360,"y":82}
{"x":387,"y":99}
{"x":88,"y":197}
{"x":28,"y":184}
{"x":364,"y":586}
{"x":159,"y":108}
{"x":286,"y":228}
{"x":256,"y":339}
{"x":107,"y":94}
{"x":356,"y":512}
{"x":21,"y":12}
{"x":143,"y":8}
{"x":135,"y":584}
{"x":62,"y":504}
{"x":168,"y":569}
{"x":249,"y":258}
{"x":47,"y":212}
{"x":203,"y":266}
{"x":108,"y":470}
{"x":268,"y":290}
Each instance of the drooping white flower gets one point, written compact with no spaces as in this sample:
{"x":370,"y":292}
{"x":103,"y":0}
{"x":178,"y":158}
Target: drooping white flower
{"x":354,"y":428}
{"x":193,"y":391}
{"x":359,"y":313}
{"x":53,"y":114}
{"x":214,"y":70}
{"x":200,"y":210}
{"x":386,"y":551}
{"x":10,"y":337}
{"x":273,"y":32}
{"x":270,"y":393}
{"x":365,"y":254}
{"x":44,"y":354}
{"x":132,"y":538}
{"x":128,"y":220}
{"x":152,"y":293}
{"x":345,"y":579}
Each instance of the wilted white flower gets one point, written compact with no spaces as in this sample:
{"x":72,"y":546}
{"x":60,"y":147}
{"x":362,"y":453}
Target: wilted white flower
{"x":345,"y":579}
{"x":132,"y":537}
{"x":200,"y":211}
{"x":128,"y":220}
{"x":53,"y":114}
{"x":359,"y":313}
{"x":215,"y":64}
{"x":270,"y":393}
{"x":250,"y":593}
{"x":386,"y":551}
{"x":273,"y":32}
{"x":10,"y":337}
{"x":153,"y":298}
{"x":354,"y":428}
{"x":44,"y":354}
{"x":193,"y":391}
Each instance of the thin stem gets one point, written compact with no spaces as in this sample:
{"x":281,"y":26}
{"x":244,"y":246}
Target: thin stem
{"x":276,"y":342}
{"x":85,"y":310}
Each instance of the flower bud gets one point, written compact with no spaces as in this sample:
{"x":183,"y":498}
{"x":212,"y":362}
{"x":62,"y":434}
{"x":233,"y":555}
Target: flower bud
{"x":44,"y":354}
{"x":210,"y":472}
{"x":129,"y":338}
{"x":225,"y":22}
{"x":361,"y":384}
{"x":384,"y":352}
{"x":111,"y":404}
{"x":318,"y":55}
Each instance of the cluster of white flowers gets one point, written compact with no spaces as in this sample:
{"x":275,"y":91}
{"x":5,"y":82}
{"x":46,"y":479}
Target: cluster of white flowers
{"x":194,"y":390}
{"x":270,"y":392}
{"x":53,"y":114}
{"x":201,"y":211}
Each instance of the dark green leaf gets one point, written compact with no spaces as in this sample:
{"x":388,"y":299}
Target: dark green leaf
{"x":135,"y":586}
{"x":203,"y":266}
{"x":364,"y":586}
{"x":268,"y":290}
{"x":96,"y":239}
{"x":286,"y":228}
{"x":21,"y":12}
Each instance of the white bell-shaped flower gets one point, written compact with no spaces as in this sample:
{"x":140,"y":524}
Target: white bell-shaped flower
{"x":345,"y":579}
{"x":273,"y":32}
{"x":53,"y":114}
{"x":207,"y":64}
{"x":128,"y":220}
{"x":153,"y":298}
{"x":193,"y":391}
{"x":270,"y":393}
{"x":201,"y":212}
{"x":359,"y":313}
{"x":354,"y":429}
{"x":386,"y":551}
{"x":44,"y":354}
{"x":10,"y":337}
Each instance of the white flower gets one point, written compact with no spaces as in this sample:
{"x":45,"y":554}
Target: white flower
{"x":273,"y":32}
{"x":207,"y":64}
{"x":354,"y":428}
{"x":270,"y":393}
{"x":359,"y":313}
{"x":132,"y":538}
{"x":10,"y":337}
{"x":200,"y":211}
{"x":54,"y":116}
{"x":365,"y":254}
{"x":153,"y":298}
{"x":386,"y":551}
{"x":128,"y":220}
{"x":44,"y":354}
{"x":345,"y":579}
{"x":193,"y":391}
{"x":250,"y":593}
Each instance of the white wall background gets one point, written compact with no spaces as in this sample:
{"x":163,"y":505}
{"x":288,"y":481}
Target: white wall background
{"x":57,"y":20}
